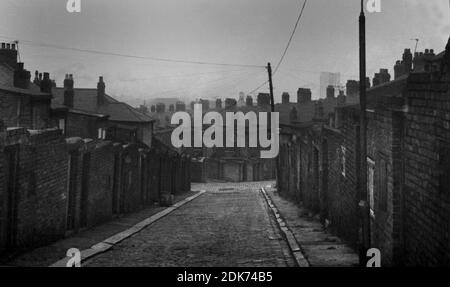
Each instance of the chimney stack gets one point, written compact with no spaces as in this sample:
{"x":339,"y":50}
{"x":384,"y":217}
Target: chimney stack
{"x":160,"y":108}
{"x":422,"y":61}
{"x":408,"y":60}
{"x":46,"y":84}
{"x":218,"y":104}
{"x":382,"y":77}
{"x":341,"y":99}
{"x":8,"y":55}
{"x":230,"y":103}
{"x":21,"y":77}
{"x":69,"y":92}
{"x":352,"y":88}
{"x":263,"y":99}
{"x":101,"y":92}
{"x":180,"y":107}
{"x":330,"y":92}
{"x":249,"y":101}
{"x":285,"y":98}
{"x":303,"y":95}
{"x":205,"y":104}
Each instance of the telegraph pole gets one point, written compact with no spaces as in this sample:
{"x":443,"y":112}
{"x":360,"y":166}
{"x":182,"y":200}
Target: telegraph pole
{"x":363,"y":193}
{"x":272,"y":101}
{"x":273,"y":133}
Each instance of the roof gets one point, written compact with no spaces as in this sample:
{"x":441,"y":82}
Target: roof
{"x":85,"y":99}
{"x":7,"y":83}
{"x":6,"y":75}
{"x":284,"y":111}
{"x":122,"y":112}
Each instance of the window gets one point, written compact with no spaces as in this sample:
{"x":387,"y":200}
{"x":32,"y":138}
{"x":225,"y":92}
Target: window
{"x":343,"y":154}
{"x":382,"y":185}
{"x":371,"y":184}
{"x":101,"y":133}
{"x":62,"y":125}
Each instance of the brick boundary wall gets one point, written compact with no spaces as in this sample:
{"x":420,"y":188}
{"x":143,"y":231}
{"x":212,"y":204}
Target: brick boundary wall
{"x":64,"y":185}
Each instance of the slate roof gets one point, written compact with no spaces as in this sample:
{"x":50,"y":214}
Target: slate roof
{"x":6,"y":75}
{"x":86,"y":100}
{"x":7,"y":83}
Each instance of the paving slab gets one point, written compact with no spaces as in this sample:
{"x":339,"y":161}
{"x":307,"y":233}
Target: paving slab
{"x":319,"y":247}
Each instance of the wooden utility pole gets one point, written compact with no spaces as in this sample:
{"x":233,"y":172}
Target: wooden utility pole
{"x":272,"y":101}
{"x":363,"y":191}
{"x":273,"y":133}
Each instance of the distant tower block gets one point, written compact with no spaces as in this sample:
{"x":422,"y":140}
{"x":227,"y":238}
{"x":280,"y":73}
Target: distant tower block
{"x":328,"y":79}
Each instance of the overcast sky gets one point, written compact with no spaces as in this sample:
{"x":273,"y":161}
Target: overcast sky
{"x":251,"y":32}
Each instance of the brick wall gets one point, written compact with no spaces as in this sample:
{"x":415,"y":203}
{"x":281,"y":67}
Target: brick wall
{"x":409,"y":153}
{"x":100,"y":182}
{"x":67,"y":184}
{"x":20,"y":110}
{"x":130,"y":190}
{"x":15,"y":111}
{"x":427,"y":204}
{"x":3,"y":187}
{"x":39,"y":202}
{"x":78,"y":125}
{"x":384,"y":150}
{"x":341,"y":192}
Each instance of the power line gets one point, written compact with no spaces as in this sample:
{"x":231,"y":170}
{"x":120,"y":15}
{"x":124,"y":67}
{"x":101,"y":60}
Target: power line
{"x":259,"y":87}
{"x":286,"y":49}
{"x":32,"y":43}
{"x":290,"y":39}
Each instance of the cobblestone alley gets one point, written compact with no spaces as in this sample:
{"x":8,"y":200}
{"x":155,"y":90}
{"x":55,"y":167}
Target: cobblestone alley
{"x":229,"y":225}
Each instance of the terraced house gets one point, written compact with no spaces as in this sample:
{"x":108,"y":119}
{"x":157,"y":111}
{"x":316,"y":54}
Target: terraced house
{"x":408,"y":144}
{"x":72,"y":158}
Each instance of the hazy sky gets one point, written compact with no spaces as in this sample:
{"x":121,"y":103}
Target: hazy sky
{"x":227,"y":31}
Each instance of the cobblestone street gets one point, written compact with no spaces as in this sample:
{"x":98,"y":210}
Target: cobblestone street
{"x":229,"y":225}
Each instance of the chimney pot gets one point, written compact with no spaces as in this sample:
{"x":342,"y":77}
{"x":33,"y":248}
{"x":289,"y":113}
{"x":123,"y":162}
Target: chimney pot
{"x":3,"y":45}
{"x":8,"y":46}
